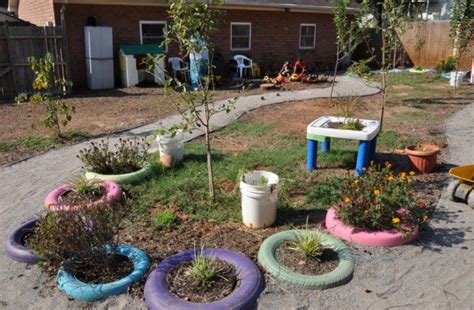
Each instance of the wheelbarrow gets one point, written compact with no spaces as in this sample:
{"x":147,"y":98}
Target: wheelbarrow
{"x":463,"y":188}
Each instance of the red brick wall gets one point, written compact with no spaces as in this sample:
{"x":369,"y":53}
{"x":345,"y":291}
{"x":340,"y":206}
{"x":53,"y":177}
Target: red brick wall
{"x":37,"y":12}
{"x":275,"y":35}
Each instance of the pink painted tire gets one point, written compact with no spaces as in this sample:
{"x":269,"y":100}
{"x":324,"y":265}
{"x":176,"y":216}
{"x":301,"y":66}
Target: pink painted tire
{"x":113,"y":193}
{"x":388,"y":238}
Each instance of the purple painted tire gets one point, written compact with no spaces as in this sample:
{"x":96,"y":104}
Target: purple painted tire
{"x":384,"y":238}
{"x":157,"y":295}
{"x":112,"y":189}
{"x":14,"y":247}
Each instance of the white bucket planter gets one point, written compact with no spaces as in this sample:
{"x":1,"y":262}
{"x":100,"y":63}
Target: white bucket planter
{"x":172,"y":146}
{"x":259,"y":202}
{"x":456,"y":80}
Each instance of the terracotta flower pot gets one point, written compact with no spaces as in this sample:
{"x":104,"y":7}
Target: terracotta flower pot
{"x":423,"y":160}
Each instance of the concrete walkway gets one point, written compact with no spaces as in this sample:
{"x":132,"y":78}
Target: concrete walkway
{"x":23,"y":187}
{"x":435,"y":272}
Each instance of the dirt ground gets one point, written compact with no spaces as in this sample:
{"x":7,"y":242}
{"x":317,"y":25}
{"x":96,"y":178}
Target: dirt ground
{"x":102,"y":113}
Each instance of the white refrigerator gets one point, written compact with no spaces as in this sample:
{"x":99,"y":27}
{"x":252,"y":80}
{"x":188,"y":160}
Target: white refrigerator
{"x":99,"y":57}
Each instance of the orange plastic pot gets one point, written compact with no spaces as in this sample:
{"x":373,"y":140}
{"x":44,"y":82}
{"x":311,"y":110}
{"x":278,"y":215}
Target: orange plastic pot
{"x":424,"y":160}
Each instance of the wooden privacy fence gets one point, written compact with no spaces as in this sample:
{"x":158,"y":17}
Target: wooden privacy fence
{"x":426,"y":43}
{"x":17,"y":43}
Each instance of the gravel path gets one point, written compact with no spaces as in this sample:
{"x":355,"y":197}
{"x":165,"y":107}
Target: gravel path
{"x":435,"y":272}
{"x":24,"y":185}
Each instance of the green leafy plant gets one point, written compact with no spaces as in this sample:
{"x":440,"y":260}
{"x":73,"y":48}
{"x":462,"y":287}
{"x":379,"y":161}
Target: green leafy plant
{"x":192,"y":24}
{"x":418,"y":68}
{"x":163,"y":220}
{"x":447,"y":64}
{"x":360,"y":68}
{"x":347,"y":106}
{"x":21,"y":98}
{"x":79,"y":234}
{"x":128,"y":155}
{"x":353,"y":124}
{"x":307,"y":243}
{"x":380,"y":200}
{"x":203,"y":269}
{"x":58,"y":113}
{"x":87,"y":188}
{"x":262,"y":182}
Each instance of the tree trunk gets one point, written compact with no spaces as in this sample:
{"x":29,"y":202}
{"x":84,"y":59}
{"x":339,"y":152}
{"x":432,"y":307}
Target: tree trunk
{"x":210,"y":174}
{"x":334,"y":75}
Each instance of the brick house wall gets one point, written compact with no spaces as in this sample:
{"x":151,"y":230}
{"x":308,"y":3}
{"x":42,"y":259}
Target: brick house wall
{"x":275,"y":35}
{"x":37,"y":12}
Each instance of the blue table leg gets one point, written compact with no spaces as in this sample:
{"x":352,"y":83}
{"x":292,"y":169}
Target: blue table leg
{"x":312,"y":155}
{"x":373,"y":147}
{"x":326,"y":145}
{"x":362,"y":157}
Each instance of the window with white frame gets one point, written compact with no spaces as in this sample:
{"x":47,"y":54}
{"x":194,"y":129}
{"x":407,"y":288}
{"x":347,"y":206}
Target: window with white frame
{"x":152,"y":32}
{"x":240,"y":36}
{"x":307,"y":36}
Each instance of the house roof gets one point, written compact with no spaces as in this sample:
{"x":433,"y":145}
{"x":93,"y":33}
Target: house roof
{"x":294,"y":5}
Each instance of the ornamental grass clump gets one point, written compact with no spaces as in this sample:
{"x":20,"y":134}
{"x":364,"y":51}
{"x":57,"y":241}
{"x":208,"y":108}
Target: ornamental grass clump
{"x":128,"y":155}
{"x":380,"y":200}
{"x":307,"y":243}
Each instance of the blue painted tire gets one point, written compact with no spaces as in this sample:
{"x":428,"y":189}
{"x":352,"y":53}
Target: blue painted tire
{"x":14,"y":247}
{"x":158,"y":296}
{"x":93,"y":292}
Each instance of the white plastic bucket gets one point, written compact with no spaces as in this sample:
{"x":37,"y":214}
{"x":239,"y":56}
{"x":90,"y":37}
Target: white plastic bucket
{"x":456,"y":80}
{"x":172,"y":146}
{"x":259,"y":204}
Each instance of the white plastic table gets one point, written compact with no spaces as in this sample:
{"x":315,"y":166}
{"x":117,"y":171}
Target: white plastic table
{"x":319,"y":131}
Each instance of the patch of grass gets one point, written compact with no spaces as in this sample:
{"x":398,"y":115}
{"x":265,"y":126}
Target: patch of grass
{"x":324,"y":194}
{"x":163,"y":220}
{"x":38,"y":143}
{"x":248,"y":128}
{"x":391,"y":140}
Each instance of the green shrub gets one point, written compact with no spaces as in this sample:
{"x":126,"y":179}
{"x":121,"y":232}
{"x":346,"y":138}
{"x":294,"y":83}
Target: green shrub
{"x":163,"y":220}
{"x":87,"y":188}
{"x":360,"y":68}
{"x":81,"y":234}
{"x":21,"y":98}
{"x":380,"y":200}
{"x":128,"y":155}
{"x":447,"y":64}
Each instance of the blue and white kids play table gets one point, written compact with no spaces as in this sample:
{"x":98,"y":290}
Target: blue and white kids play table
{"x":320,"y":131}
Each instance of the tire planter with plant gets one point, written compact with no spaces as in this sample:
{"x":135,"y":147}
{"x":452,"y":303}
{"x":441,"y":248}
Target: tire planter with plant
{"x":113,"y":192}
{"x":158,"y":295}
{"x":341,"y":275}
{"x":126,"y":178}
{"x":93,"y":292}
{"x":259,"y":191}
{"x":422,"y":156}
{"x":387,"y":238}
{"x":14,"y":245}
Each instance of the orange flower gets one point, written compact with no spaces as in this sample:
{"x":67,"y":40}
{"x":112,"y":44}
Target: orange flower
{"x":425,"y":218}
{"x":347,"y":200}
{"x":395,"y":220}
{"x":403,"y":175}
{"x":391,"y":178}
{"x":421,"y":203}
{"x":412,"y":173}
{"x":376,"y":192}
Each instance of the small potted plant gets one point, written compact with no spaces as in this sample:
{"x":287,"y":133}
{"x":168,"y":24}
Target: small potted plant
{"x":206,"y":278}
{"x":82,"y":193}
{"x":259,"y":191}
{"x":423,"y":156}
{"x":311,"y":259}
{"x":91,"y":265}
{"x":125,"y":163}
{"x":378,"y":209}
{"x":171,"y":143}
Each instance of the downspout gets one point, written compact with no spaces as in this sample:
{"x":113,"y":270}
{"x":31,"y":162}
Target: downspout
{"x":62,"y":13}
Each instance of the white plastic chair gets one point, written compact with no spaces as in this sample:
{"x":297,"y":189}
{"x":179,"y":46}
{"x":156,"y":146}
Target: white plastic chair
{"x":243,"y":63}
{"x":178,"y":65}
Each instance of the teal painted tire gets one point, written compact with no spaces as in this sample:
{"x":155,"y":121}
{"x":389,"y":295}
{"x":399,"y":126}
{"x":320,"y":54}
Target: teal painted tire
{"x":126,"y":178}
{"x":341,"y":275}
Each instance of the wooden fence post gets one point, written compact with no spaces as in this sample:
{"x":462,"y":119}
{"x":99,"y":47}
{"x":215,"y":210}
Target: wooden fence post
{"x":10,"y":61}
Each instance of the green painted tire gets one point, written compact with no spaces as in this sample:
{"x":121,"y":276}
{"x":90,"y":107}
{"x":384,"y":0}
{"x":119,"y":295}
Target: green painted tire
{"x":341,"y":275}
{"x":126,"y":178}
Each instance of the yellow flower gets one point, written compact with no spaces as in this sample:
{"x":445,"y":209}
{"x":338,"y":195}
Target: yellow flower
{"x":376,"y":192}
{"x":395,"y":220}
{"x":403,"y":175}
{"x":425,"y":218}
{"x":347,"y":200}
{"x":409,"y":181}
{"x":391,"y":178}
{"x":412,"y":173}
